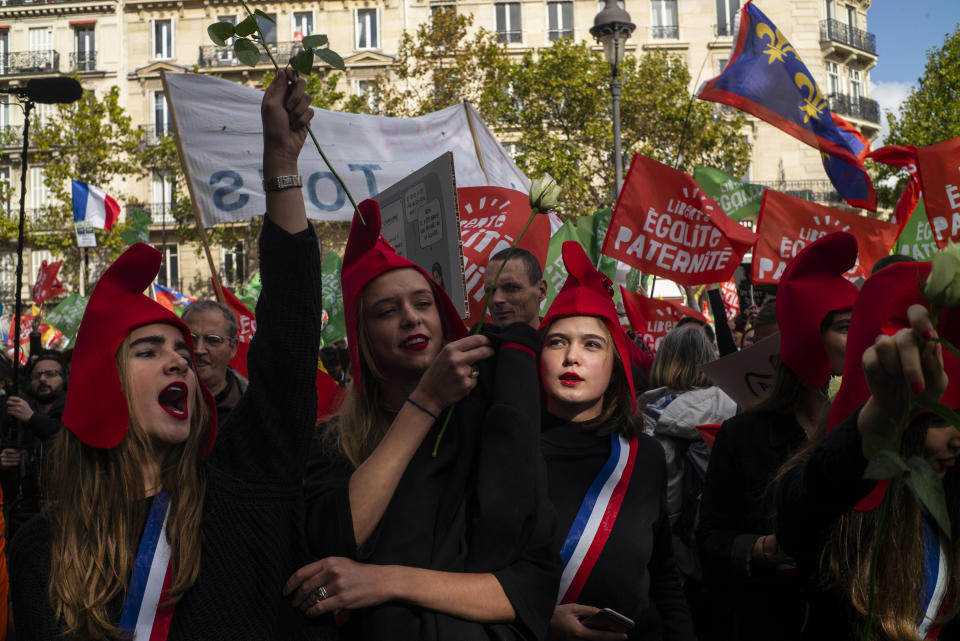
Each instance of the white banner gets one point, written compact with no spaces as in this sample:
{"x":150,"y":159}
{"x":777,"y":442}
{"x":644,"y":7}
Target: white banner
{"x":218,"y":124}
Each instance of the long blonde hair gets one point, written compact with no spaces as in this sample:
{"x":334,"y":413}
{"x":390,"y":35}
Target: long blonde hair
{"x":98,"y":510}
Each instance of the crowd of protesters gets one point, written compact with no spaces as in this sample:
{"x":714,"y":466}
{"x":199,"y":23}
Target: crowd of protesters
{"x":545,"y":477}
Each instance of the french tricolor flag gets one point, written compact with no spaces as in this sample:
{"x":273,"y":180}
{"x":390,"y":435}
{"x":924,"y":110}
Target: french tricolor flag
{"x":93,"y":207}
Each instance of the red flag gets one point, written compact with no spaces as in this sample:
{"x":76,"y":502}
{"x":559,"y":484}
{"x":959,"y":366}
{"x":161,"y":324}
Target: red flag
{"x":904,"y":157}
{"x":787,"y":224}
{"x":491,"y":218}
{"x":731,"y":299}
{"x":247,"y":324}
{"x":653,"y":318}
{"x":938,"y":166}
{"x":330,"y":396}
{"x":665,"y":225}
{"x":47,"y":285}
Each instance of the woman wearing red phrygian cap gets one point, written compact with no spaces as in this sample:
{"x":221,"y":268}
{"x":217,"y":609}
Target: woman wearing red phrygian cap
{"x":828,"y":515}
{"x":607,"y":479}
{"x":417,"y":545}
{"x":755,"y":594}
{"x":155,"y":530}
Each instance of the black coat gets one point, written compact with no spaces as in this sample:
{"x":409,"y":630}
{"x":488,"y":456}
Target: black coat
{"x":635,"y":573}
{"x":809,"y":499}
{"x":749,"y":601}
{"x":480,"y":505}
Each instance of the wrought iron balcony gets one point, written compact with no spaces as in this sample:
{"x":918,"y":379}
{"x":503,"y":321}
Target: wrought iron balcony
{"x":150,"y":137}
{"x":862,"y":108}
{"x":11,"y":136}
{"x":844,"y":33}
{"x":214,"y":56}
{"x":82,"y":61}
{"x":29,"y":62}
{"x":817,"y":190}
{"x":665,"y":33}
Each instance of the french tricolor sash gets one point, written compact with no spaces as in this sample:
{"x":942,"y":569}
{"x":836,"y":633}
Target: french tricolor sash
{"x":936,"y":580}
{"x":594,"y":521}
{"x":142,"y":616}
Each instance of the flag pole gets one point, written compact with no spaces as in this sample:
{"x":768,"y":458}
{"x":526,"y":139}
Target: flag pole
{"x":217,"y":285}
{"x":476,"y":143}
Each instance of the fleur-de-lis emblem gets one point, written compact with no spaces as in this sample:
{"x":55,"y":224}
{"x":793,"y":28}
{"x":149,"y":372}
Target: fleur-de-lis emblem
{"x":778,"y":47}
{"x":814,"y":101}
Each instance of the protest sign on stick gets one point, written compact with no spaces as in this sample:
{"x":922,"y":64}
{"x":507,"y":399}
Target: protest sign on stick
{"x":665,"y":225}
{"x":787,"y":224}
{"x":746,"y":376}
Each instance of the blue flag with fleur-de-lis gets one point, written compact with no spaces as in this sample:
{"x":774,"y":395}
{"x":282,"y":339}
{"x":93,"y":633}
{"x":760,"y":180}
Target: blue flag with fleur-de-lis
{"x":766,"y":78}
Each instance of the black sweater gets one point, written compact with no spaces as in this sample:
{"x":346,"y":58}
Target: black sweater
{"x":253,"y":516}
{"x":635,"y":573}
{"x":479,"y":506}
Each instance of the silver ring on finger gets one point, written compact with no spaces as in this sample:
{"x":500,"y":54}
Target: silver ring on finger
{"x":474,"y":371}
{"x":321,"y":594}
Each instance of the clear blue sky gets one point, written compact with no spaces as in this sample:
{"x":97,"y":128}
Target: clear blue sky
{"x":905,"y":31}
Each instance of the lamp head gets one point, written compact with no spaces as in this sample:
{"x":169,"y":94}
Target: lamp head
{"x":612,"y":28}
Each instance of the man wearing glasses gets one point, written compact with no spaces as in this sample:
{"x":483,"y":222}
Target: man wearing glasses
{"x":21,"y":456}
{"x":215,"y":335}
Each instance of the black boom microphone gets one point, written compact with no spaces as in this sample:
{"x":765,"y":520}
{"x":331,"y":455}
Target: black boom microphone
{"x":48,"y":90}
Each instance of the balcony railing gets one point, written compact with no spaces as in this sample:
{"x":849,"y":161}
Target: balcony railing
{"x":558,"y":34}
{"x":841,"y":32}
{"x":29,"y":62}
{"x":665,"y":33}
{"x":214,"y":56}
{"x":862,"y":108}
{"x":12,"y":136}
{"x":817,"y":190}
{"x":150,"y":136}
{"x":82,"y":61}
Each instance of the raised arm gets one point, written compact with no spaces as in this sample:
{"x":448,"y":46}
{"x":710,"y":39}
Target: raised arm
{"x":266,"y":439}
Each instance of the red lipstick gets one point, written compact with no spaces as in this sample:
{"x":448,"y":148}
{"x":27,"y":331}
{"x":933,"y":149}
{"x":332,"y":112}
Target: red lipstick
{"x":570,"y":379}
{"x":415,"y":343}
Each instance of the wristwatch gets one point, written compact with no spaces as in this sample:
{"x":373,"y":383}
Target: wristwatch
{"x":279,"y":183}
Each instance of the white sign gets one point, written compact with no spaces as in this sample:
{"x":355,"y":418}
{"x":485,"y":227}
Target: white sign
{"x":220,"y":134}
{"x":85,"y":235}
{"x":747,"y":376}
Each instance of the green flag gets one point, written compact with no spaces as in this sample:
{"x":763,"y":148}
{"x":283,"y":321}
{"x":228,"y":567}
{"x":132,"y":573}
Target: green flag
{"x":591,"y":231}
{"x":250,"y":293}
{"x":737,"y":199}
{"x":554,"y":272}
{"x":917,"y":240}
{"x":67,"y":315}
{"x":336,"y":326}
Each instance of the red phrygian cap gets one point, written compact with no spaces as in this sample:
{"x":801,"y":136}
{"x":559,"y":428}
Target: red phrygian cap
{"x":587,"y":292}
{"x":881,"y":309}
{"x":96,"y":409}
{"x":812,"y":286}
{"x":367,"y":256}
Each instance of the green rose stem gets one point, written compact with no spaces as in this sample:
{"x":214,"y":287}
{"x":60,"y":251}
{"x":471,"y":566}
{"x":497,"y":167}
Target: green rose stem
{"x":483,"y":314}
{"x":316,"y":143}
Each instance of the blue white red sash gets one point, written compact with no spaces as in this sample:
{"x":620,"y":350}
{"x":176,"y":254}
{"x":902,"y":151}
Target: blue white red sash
{"x":936,"y":580}
{"x":594,"y":521}
{"x":142,"y":618}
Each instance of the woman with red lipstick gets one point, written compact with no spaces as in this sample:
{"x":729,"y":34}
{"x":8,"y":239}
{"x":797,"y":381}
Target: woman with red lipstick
{"x":607,"y":479}
{"x":418,"y":543}
{"x":155,"y":530}
{"x":828,"y":515}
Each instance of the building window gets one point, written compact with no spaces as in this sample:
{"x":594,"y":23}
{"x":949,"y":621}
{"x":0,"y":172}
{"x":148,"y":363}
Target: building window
{"x":6,"y":193}
{"x":512,"y":149}
{"x":601,"y":4}
{"x":231,"y":267}
{"x":441,"y":5}
{"x":664,"y":19}
{"x":367,"y":29}
{"x":366,"y":89}
{"x":84,"y":49}
{"x":41,"y":50}
{"x":851,"y":16}
{"x":161,"y":200}
{"x":8,"y":275}
{"x":269,"y":28}
{"x":161,"y":114}
{"x":833,"y":79}
{"x":38,"y":192}
{"x":508,"y":22}
{"x":560,"y":19}
{"x":727,"y":17}
{"x":169,"y":275}
{"x":226,"y":53}
{"x":829,"y":10}
{"x":856,"y":86}
{"x":4,"y":51}
{"x":162,"y":39}
{"x":302,"y":25}
{"x":4,"y":112}
{"x":42,"y":115}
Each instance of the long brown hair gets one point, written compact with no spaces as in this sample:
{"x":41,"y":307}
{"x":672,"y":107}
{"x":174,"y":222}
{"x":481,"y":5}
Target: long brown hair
{"x":364,"y":418}
{"x":846,"y":558}
{"x":98,"y":510}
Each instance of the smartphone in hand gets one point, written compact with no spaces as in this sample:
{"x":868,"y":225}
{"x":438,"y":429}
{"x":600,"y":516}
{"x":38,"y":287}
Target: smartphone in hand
{"x":609,"y":621}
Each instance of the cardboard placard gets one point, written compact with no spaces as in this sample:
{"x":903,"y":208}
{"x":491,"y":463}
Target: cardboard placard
{"x":746,"y":376}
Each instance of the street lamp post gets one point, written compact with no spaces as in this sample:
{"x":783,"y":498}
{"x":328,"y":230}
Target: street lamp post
{"x":612,"y":28}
